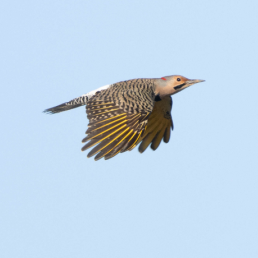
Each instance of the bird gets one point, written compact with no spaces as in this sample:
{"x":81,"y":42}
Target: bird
{"x":127,"y":113}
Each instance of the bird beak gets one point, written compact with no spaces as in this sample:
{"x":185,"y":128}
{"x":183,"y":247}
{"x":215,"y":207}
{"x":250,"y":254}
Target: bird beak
{"x":194,"y":81}
{"x":191,"y":82}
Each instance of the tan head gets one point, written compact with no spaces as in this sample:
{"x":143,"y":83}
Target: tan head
{"x":170,"y":85}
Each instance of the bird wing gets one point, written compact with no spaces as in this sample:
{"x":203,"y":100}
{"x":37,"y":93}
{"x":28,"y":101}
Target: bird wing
{"x":115,"y":126}
{"x":158,"y":126}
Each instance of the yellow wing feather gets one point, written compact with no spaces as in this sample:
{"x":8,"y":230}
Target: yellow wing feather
{"x":159,"y":125}
{"x":111,"y":130}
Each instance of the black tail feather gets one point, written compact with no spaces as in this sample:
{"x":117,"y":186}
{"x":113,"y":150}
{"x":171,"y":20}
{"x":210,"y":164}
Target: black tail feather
{"x":61,"y":108}
{"x":74,"y":103}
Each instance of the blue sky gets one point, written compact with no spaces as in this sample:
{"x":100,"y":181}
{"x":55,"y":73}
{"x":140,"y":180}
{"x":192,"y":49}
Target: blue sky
{"x":195,"y":196}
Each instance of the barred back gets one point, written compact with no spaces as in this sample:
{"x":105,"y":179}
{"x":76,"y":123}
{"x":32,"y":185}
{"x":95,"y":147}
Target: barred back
{"x":132,"y":96}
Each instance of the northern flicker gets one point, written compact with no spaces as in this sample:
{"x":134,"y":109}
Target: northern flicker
{"x":124,"y":114}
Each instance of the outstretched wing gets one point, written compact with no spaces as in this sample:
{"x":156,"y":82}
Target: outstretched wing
{"x":112,"y":129}
{"x":118,"y":117}
{"x":159,"y":125}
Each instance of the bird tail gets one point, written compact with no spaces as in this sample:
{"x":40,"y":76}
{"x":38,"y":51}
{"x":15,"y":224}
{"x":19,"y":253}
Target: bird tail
{"x":74,"y":103}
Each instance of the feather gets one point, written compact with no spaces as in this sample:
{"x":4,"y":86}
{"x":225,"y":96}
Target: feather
{"x":156,"y":141}
{"x":167,"y":134}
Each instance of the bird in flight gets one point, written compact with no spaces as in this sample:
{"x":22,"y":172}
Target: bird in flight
{"x":125,"y":114}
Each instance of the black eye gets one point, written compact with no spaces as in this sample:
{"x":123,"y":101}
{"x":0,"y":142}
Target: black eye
{"x":178,"y":79}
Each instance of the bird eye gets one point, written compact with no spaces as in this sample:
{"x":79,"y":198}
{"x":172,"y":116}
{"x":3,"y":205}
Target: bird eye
{"x":178,"y":79}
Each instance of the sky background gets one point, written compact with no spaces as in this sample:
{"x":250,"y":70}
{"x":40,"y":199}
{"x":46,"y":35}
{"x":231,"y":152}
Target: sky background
{"x":196,"y":196}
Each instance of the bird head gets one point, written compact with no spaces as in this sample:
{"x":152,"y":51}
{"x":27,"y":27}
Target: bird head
{"x":170,"y":85}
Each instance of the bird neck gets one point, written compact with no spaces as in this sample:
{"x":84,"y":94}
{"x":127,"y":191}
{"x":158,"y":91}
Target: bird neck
{"x":163,"y":88}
